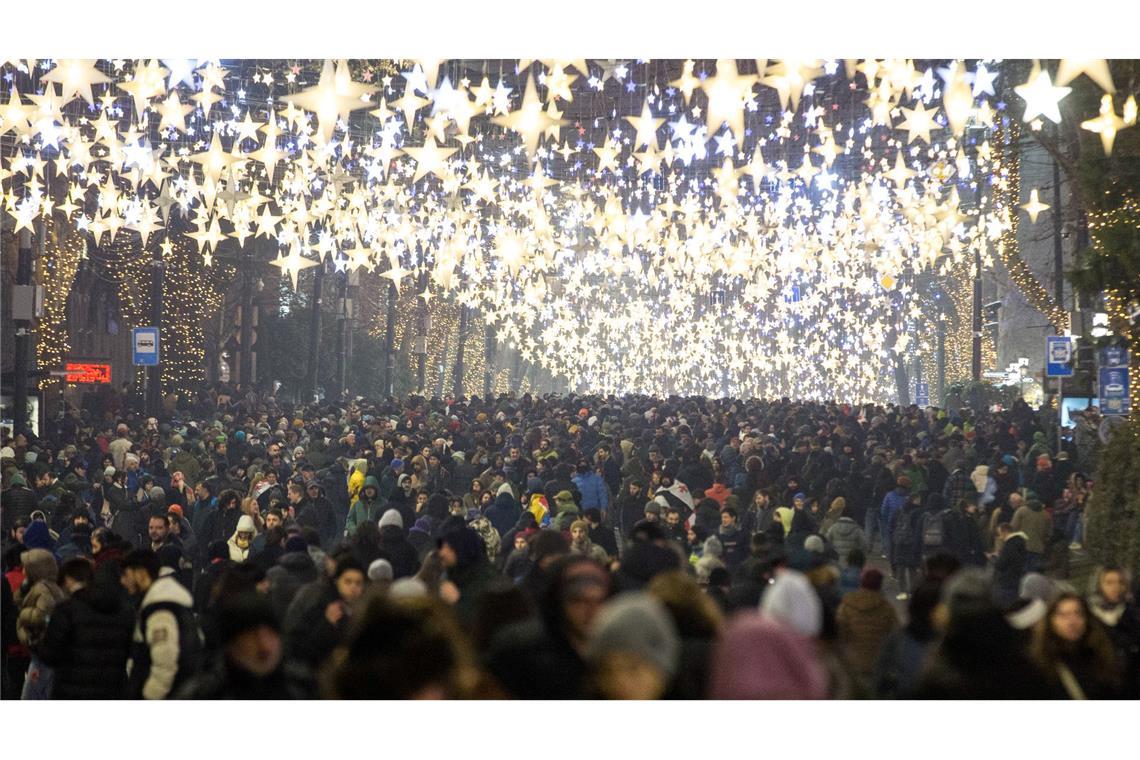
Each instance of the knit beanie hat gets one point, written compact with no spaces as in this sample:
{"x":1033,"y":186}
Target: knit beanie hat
{"x":636,"y":623}
{"x":814,"y":544}
{"x":392,"y":517}
{"x":792,"y":600}
{"x":380,"y":570}
{"x":653,"y":507}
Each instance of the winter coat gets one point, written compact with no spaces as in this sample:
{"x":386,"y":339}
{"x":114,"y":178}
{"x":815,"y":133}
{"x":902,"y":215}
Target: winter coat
{"x":736,"y":547}
{"x":224,"y":681}
{"x":845,"y":535}
{"x":504,"y":512}
{"x":166,"y":645}
{"x":1035,"y":523}
{"x":395,"y":548}
{"x":865,"y":620}
{"x":87,"y":643}
{"x":364,"y":509}
{"x":595,"y":494}
{"x":1010,"y":566}
{"x":292,"y":571}
{"x":41,"y":598}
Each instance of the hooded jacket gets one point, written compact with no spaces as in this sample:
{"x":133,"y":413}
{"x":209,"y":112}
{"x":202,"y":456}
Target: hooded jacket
{"x":41,"y":598}
{"x":364,"y":509}
{"x":395,"y":548}
{"x":1032,"y":520}
{"x":244,"y":525}
{"x":504,"y":512}
{"x":565,"y":511}
{"x":87,"y":643}
{"x":166,"y":643}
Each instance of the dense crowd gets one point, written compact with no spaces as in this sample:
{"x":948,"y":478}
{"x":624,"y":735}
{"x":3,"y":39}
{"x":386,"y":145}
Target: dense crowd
{"x":555,"y":547}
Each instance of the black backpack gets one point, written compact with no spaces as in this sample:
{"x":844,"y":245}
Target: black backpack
{"x":934,"y":531}
{"x":903,"y":537}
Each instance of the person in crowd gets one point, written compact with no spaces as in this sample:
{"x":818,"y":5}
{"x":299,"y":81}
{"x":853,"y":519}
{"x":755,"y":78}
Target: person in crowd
{"x":865,"y":620}
{"x":633,"y":648}
{"x":1109,"y":603}
{"x":316,"y":623}
{"x":37,"y":599}
{"x":166,"y":642}
{"x":1074,"y":652}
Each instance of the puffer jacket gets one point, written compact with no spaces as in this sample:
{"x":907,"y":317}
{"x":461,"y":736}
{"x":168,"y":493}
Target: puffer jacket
{"x":87,"y":642}
{"x":865,"y":620}
{"x":41,"y":597}
{"x":845,"y":535}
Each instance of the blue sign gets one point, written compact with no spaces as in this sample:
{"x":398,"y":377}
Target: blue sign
{"x":144,"y":346}
{"x":1058,"y":356}
{"x":1114,"y":356}
{"x":922,"y":394}
{"x":1113,"y":392}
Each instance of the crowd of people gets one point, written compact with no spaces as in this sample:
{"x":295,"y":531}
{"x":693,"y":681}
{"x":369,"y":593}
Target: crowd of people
{"x":555,"y":547}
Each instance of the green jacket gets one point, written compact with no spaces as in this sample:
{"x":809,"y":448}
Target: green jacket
{"x":364,"y":508}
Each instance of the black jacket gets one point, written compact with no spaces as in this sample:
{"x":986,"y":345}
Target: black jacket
{"x":1010,"y":564}
{"x":225,"y":681}
{"x":87,"y":643}
{"x":292,"y":571}
{"x":395,"y":548}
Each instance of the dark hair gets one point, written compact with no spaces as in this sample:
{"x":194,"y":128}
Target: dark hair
{"x":856,"y":558}
{"x":275,"y":511}
{"x":142,"y":559}
{"x":346,"y":562}
{"x":79,"y":569}
{"x":226,"y":496}
{"x":729,"y":511}
{"x":593,"y":514}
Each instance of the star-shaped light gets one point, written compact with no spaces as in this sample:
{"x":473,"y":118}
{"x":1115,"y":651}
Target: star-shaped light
{"x":646,"y":126}
{"x":334,"y":97}
{"x":293,"y":263}
{"x":173,"y":113}
{"x":75,"y":76}
{"x":918,"y":123}
{"x":1095,"y":69}
{"x":1034,"y":206}
{"x":430,"y":159}
{"x":1106,"y":125}
{"x":727,"y":93}
{"x":1041,"y":97}
{"x":529,"y":121}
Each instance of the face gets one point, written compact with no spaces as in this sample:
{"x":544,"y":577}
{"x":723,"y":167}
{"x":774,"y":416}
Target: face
{"x":1112,"y":587}
{"x":133,"y":579}
{"x":421,"y":500}
{"x":200,"y":492}
{"x":96,"y":542}
{"x":350,"y":585}
{"x":296,"y":496}
{"x":447,"y":556}
{"x":514,"y":453}
{"x":257,"y":651}
{"x":622,"y":675}
{"x":520,"y":542}
{"x":578,"y":533}
{"x":1068,"y":621}
{"x":672,"y":519}
{"x":157,"y":530}
{"x":272,"y":521}
{"x":727,"y":520}
{"x":651,"y":517}
{"x":582,"y":607}
{"x":691,"y":536}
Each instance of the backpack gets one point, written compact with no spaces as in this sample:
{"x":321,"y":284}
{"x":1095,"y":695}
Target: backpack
{"x":903,"y":537}
{"x":934,"y":531}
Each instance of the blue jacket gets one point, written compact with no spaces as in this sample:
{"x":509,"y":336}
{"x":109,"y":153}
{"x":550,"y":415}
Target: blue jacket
{"x":594,"y":491}
{"x":893,"y":502}
{"x":503,"y":513}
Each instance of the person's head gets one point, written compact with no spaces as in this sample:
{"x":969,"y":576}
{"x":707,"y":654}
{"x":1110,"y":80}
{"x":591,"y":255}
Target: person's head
{"x":760,"y":499}
{"x":157,"y":528}
{"x":229,"y":499}
{"x":1015,"y":500}
{"x":727,"y":517}
{"x":295,"y":494}
{"x":76,"y":573}
{"x":579,"y":531}
{"x":249,"y":633}
{"x":581,"y":587}
{"x":634,"y":487}
{"x":593,"y":516}
{"x":652,"y":511}
{"x":520,"y":541}
{"x":634,"y":649}
{"x":274,"y":518}
{"x":672,"y":517}
{"x":139,"y":569}
{"x":348,"y":578}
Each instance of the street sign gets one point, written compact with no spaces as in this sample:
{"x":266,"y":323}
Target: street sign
{"x":1058,"y":356}
{"x":1112,"y":385}
{"x":922,"y":394}
{"x":144,"y":346}
{"x":84,"y":372}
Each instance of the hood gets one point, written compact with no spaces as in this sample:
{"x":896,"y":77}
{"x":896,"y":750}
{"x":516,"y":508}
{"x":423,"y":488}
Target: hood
{"x":38,"y":536}
{"x":371,"y":482}
{"x":359,"y":465}
{"x":39,"y":565}
{"x":865,"y":600}
{"x":166,"y":590}
{"x":505,"y":488}
{"x":792,"y":600}
{"x":760,"y":658}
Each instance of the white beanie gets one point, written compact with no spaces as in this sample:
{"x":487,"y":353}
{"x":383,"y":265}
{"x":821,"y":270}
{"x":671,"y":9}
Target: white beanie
{"x":380,"y":570}
{"x":792,"y":600}
{"x":814,"y":544}
{"x":245,"y":524}
{"x":7,"y":453}
{"x":407,"y":588}
{"x":392,"y":517}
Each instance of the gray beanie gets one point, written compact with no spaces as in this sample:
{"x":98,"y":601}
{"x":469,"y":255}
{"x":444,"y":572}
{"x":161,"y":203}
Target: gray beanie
{"x":392,"y":517}
{"x":380,"y":570}
{"x":636,"y":623}
{"x":814,"y":544}
{"x":653,"y":507}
